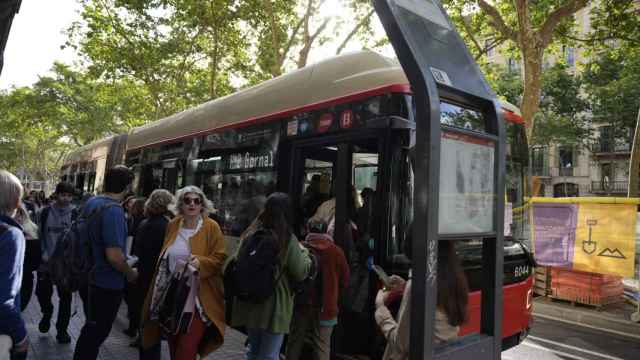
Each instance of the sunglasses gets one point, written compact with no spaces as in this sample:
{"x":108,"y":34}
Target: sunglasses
{"x":192,"y":200}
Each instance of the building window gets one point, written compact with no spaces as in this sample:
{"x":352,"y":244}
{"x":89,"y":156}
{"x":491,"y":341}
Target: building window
{"x":565,"y":190}
{"x":512,"y":64}
{"x":490,"y":48}
{"x":606,"y":139}
{"x":539,"y":161}
{"x":566,"y":160}
{"x":569,"y":54}
{"x":606,"y":175}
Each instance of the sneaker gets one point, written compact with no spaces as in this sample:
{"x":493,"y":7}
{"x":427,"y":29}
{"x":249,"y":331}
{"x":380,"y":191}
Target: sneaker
{"x":136,"y":342}
{"x":63,"y":338}
{"x":45,"y":324}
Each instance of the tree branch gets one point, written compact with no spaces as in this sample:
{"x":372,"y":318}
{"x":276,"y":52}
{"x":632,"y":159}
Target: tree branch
{"x":354,"y":31}
{"x":600,"y":38}
{"x":496,"y":42}
{"x":275,"y":40}
{"x":469,"y":31}
{"x":292,"y":39}
{"x":568,"y":9}
{"x":319,"y":30}
{"x":498,"y":22}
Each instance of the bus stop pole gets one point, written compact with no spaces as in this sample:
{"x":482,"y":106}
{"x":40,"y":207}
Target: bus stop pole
{"x":426,"y":190}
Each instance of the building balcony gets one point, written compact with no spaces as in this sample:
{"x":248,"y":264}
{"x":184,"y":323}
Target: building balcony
{"x":611,"y":187}
{"x":565,"y":171}
{"x":602,"y":147}
{"x":540,"y":171}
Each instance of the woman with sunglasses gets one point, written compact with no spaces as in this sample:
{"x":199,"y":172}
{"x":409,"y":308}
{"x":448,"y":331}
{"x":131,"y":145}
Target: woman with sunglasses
{"x":193,"y":238}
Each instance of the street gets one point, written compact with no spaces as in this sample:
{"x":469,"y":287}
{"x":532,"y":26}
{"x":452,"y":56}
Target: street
{"x":551,"y":339}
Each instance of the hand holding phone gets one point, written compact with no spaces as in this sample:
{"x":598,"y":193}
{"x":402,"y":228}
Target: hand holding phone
{"x":382,"y":275}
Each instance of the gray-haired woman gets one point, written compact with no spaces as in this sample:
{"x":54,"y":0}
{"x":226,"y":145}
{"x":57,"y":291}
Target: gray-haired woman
{"x":192,"y":237}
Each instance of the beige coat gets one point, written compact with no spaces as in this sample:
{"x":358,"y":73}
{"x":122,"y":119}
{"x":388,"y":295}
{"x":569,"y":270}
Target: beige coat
{"x":397,"y":332}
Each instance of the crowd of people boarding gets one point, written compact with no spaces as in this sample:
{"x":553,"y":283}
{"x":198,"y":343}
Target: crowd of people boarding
{"x":165,"y":256}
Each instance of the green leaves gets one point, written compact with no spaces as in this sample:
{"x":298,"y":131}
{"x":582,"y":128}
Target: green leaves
{"x":68,"y":109}
{"x":535,"y":33}
{"x":613,"y":87}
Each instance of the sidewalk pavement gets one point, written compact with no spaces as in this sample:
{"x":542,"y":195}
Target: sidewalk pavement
{"x":614,"y":318}
{"x":116,"y":347}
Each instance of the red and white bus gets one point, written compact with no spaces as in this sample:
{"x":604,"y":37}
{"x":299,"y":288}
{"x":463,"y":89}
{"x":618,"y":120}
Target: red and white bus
{"x":349,"y":119}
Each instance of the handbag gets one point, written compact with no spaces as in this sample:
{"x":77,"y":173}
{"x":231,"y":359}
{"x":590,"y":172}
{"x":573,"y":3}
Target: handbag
{"x":171,"y":315}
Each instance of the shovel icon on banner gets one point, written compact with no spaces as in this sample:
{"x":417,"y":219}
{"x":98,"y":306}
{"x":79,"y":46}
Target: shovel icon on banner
{"x":590,"y":246}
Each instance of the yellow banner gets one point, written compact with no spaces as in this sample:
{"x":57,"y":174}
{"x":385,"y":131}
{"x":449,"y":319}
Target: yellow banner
{"x":605,"y":239}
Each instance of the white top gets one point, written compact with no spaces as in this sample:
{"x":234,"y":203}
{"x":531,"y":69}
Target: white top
{"x":180,"y":250}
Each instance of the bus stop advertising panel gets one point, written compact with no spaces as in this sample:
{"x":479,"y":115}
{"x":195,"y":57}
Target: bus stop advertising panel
{"x":459,"y":192}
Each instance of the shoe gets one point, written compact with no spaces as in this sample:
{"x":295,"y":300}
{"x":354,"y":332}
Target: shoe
{"x":135,"y":343}
{"x":130,"y":332}
{"x":63,"y":338}
{"x":45,"y":324}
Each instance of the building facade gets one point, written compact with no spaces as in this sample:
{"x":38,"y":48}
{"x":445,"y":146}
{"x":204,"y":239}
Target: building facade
{"x":599,"y":169}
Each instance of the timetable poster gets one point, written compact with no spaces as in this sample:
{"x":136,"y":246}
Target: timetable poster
{"x":467,"y":191}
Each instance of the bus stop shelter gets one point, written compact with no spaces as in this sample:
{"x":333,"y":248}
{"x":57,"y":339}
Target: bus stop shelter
{"x":440,"y":67}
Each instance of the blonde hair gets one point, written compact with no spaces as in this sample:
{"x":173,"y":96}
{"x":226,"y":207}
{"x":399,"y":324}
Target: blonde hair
{"x":207,"y":205}
{"x":10,"y":193}
{"x":158,"y":203}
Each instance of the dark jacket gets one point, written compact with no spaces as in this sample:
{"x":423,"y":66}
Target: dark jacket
{"x":149,"y":239}
{"x":133,"y":223}
{"x":12,"y":248}
{"x":334,"y":269}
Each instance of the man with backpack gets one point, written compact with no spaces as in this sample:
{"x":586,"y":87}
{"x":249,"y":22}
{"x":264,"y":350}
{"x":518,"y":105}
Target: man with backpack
{"x":316,"y":311}
{"x":55,"y":220}
{"x":107,"y":232}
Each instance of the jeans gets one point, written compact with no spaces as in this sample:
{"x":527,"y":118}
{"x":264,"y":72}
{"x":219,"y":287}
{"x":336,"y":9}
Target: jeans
{"x":264,"y":345}
{"x":44,"y":292}
{"x":102,"y":307}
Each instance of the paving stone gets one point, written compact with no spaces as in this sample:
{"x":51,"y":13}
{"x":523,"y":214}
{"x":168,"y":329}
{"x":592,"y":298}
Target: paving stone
{"x":116,"y":347}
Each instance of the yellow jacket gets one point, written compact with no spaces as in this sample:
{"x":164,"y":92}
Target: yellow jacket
{"x":208,"y":246}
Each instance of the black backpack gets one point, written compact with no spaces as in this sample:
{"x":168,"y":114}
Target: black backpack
{"x":251,"y":276}
{"x":72,"y":263}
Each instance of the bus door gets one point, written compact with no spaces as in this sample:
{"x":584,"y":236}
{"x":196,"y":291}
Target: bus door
{"x":341,"y":182}
{"x":329,"y":178}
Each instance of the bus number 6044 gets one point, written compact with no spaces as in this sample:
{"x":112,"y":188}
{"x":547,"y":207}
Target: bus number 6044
{"x":521,"y":270}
